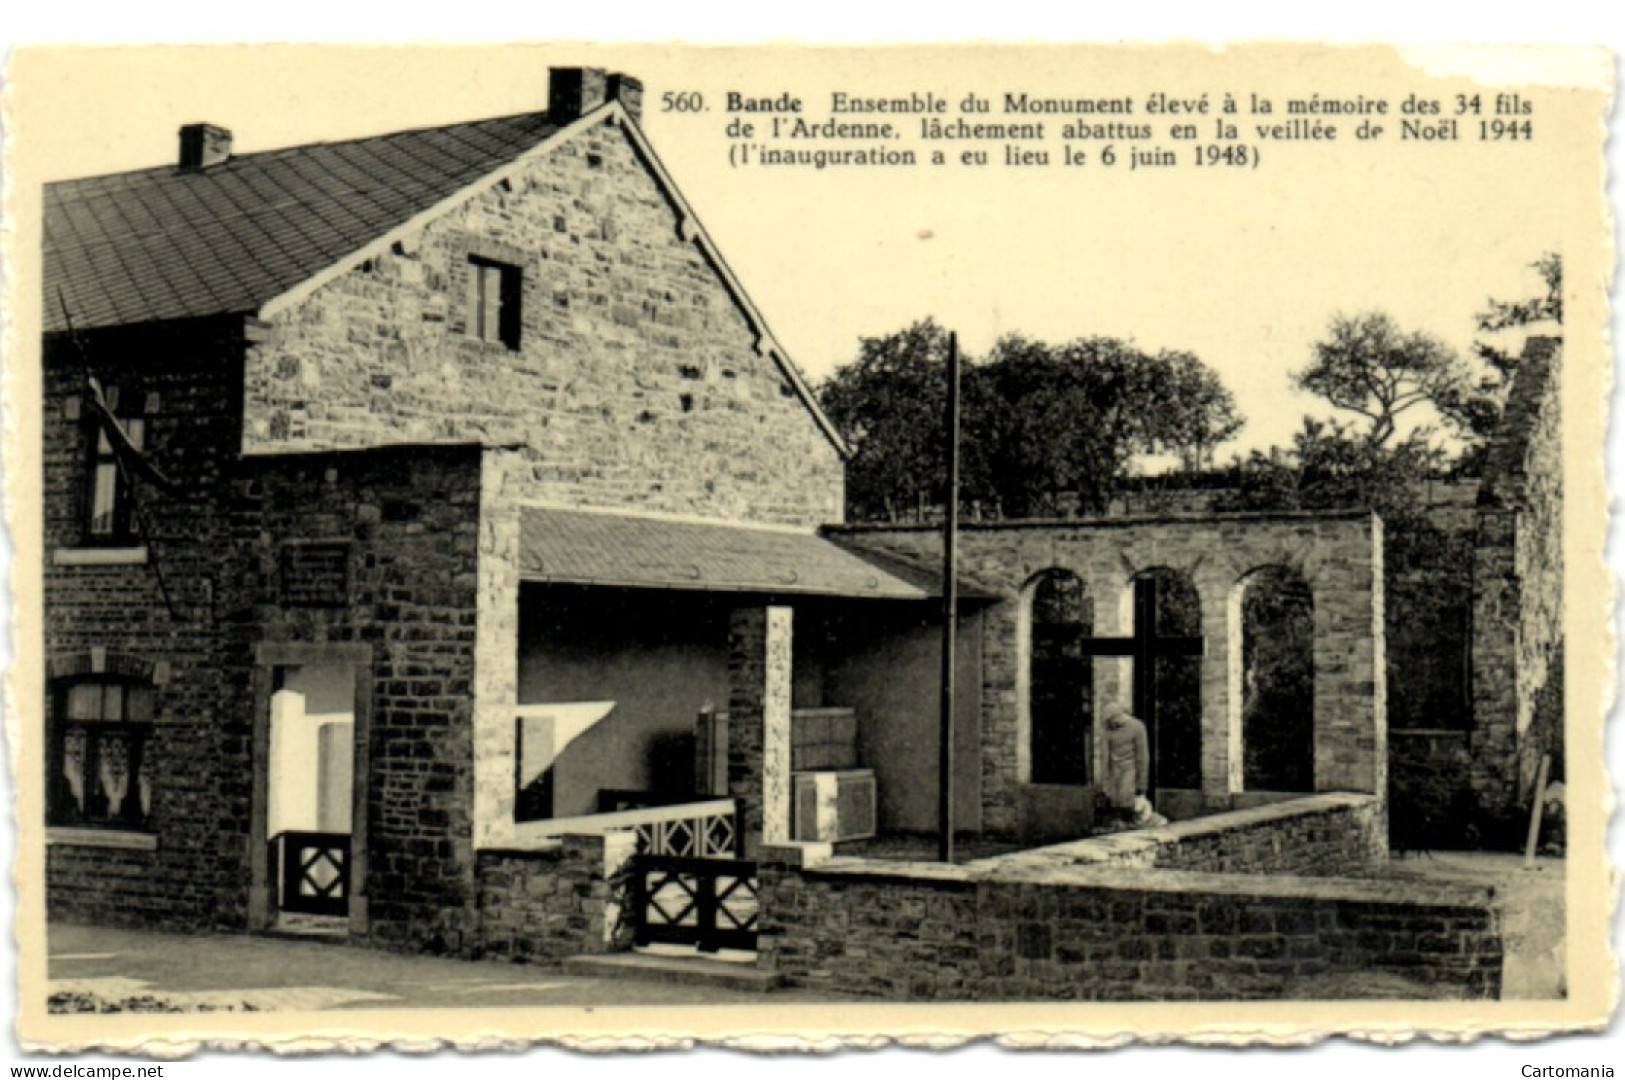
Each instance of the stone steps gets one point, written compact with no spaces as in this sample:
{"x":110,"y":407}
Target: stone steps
{"x":692,"y":970}
{"x":322,"y":928}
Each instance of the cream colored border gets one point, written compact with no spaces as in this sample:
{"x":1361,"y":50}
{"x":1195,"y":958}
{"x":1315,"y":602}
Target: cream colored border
{"x":1577,"y":179}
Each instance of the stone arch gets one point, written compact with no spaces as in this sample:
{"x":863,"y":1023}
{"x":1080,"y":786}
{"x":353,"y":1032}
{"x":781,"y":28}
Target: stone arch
{"x":1055,"y":678}
{"x":1272,"y":678}
{"x":1168,"y":695}
{"x":99,"y":661}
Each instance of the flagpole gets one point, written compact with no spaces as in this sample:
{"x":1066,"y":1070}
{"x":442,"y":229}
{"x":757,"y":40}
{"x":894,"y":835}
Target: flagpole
{"x":950,"y":613}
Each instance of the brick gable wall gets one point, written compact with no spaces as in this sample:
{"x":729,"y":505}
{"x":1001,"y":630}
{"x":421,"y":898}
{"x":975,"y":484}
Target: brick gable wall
{"x":184,"y":379}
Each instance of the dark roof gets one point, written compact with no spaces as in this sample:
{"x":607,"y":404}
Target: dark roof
{"x":583,"y":547}
{"x":168,"y":243}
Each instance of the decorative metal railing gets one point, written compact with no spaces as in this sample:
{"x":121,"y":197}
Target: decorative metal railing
{"x":706,"y":829}
{"x":313,"y":869}
{"x":694,"y":835}
{"x":708,"y":903}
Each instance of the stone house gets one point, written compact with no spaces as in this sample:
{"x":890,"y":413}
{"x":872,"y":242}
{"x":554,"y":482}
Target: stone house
{"x":432,"y":520}
{"x":407,"y":498}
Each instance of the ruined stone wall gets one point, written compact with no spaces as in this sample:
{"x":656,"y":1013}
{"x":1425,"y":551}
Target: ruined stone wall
{"x":1430,"y":790}
{"x":636,"y":383}
{"x":147,"y":611}
{"x":408,"y":521}
{"x":1116,"y":935}
{"x":1339,"y":555}
{"x":1518,"y":584}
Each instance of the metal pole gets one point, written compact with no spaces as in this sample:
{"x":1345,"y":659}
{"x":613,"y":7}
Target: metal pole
{"x":1535,"y":813}
{"x":950,"y":614}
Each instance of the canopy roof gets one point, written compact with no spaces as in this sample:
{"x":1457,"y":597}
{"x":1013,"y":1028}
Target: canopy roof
{"x":588,"y":547}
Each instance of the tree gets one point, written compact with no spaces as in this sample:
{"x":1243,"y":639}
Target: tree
{"x":1072,"y":416}
{"x":1369,"y":366}
{"x":1474,"y":408}
{"x":1046,"y":429}
{"x":1059,"y":436}
{"x":1503,"y":315}
{"x":1546,"y":306}
{"x":888,"y":403}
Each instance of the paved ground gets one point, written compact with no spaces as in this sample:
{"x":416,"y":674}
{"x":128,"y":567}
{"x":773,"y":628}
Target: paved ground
{"x":273,"y":973}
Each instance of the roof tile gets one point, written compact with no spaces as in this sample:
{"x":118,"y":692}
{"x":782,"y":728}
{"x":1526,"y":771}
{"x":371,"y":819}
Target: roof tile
{"x":584,"y":547}
{"x":167,"y":244}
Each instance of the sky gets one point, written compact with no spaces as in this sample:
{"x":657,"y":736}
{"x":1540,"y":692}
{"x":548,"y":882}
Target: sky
{"x":1244,"y":269}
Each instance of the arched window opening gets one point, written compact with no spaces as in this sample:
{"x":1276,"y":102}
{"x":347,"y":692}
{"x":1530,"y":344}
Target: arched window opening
{"x":1062,"y":678}
{"x":1168,"y":675}
{"x":1278,"y":681}
{"x":99,"y":772}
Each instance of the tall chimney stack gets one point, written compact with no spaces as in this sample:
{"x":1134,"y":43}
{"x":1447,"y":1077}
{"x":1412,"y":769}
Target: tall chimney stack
{"x":204,"y":145}
{"x":628,"y":90}
{"x":574,"y":92}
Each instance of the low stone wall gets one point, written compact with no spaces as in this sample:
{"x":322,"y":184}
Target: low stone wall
{"x":544,"y":906}
{"x":1319,"y":835}
{"x":1112,"y":934}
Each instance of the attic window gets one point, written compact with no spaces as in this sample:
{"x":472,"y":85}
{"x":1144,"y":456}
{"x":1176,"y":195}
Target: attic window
{"x":493,"y":301}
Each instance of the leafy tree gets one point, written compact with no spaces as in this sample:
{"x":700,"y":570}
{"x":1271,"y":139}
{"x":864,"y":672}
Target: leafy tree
{"x":1061,"y":430}
{"x":1045,"y":429}
{"x":1480,"y":409}
{"x":1369,"y":366}
{"x":889,"y":403}
{"x":1546,"y":306}
{"x":1072,"y":416}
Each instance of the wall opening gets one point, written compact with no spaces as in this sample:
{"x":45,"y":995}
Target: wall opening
{"x":1060,"y":679}
{"x":1167,"y":675}
{"x":1277,"y":681}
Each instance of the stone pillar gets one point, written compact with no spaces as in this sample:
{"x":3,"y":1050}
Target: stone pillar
{"x":496,"y":651}
{"x":759,"y":673}
{"x":1221,"y":678}
{"x":1497,"y":602}
{"x":1351,"y":686}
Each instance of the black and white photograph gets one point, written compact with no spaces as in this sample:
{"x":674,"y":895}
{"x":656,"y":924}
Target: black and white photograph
{"x":762,"y":537}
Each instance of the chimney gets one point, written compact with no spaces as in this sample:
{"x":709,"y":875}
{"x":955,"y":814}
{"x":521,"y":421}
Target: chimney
{"x":204,"y":145}
{"x":573,"y":92}
{"x":628,"y":90}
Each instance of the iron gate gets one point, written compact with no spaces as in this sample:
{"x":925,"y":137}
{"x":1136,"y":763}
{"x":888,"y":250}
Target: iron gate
{"x":314,"y":871}
{"x":709,"y":903}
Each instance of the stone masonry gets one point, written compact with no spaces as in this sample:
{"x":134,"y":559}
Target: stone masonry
{"x":408,"y":517}
{"x":1518,"y":586}
{"x":1338,"y":554}
{"x":148,"y":612}
{"x":1245,"y":905}
{"x":1316,"y":835}
{"x":637,"y":382}
{"x":545,"y":906}
{"x":365,"y":415}
{"x":759,"y":680}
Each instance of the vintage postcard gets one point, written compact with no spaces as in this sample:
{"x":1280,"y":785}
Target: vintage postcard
{"x":772,"y":545}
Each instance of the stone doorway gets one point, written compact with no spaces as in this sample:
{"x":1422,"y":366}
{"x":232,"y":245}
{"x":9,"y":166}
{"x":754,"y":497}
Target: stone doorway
{"x":313,"y":711}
